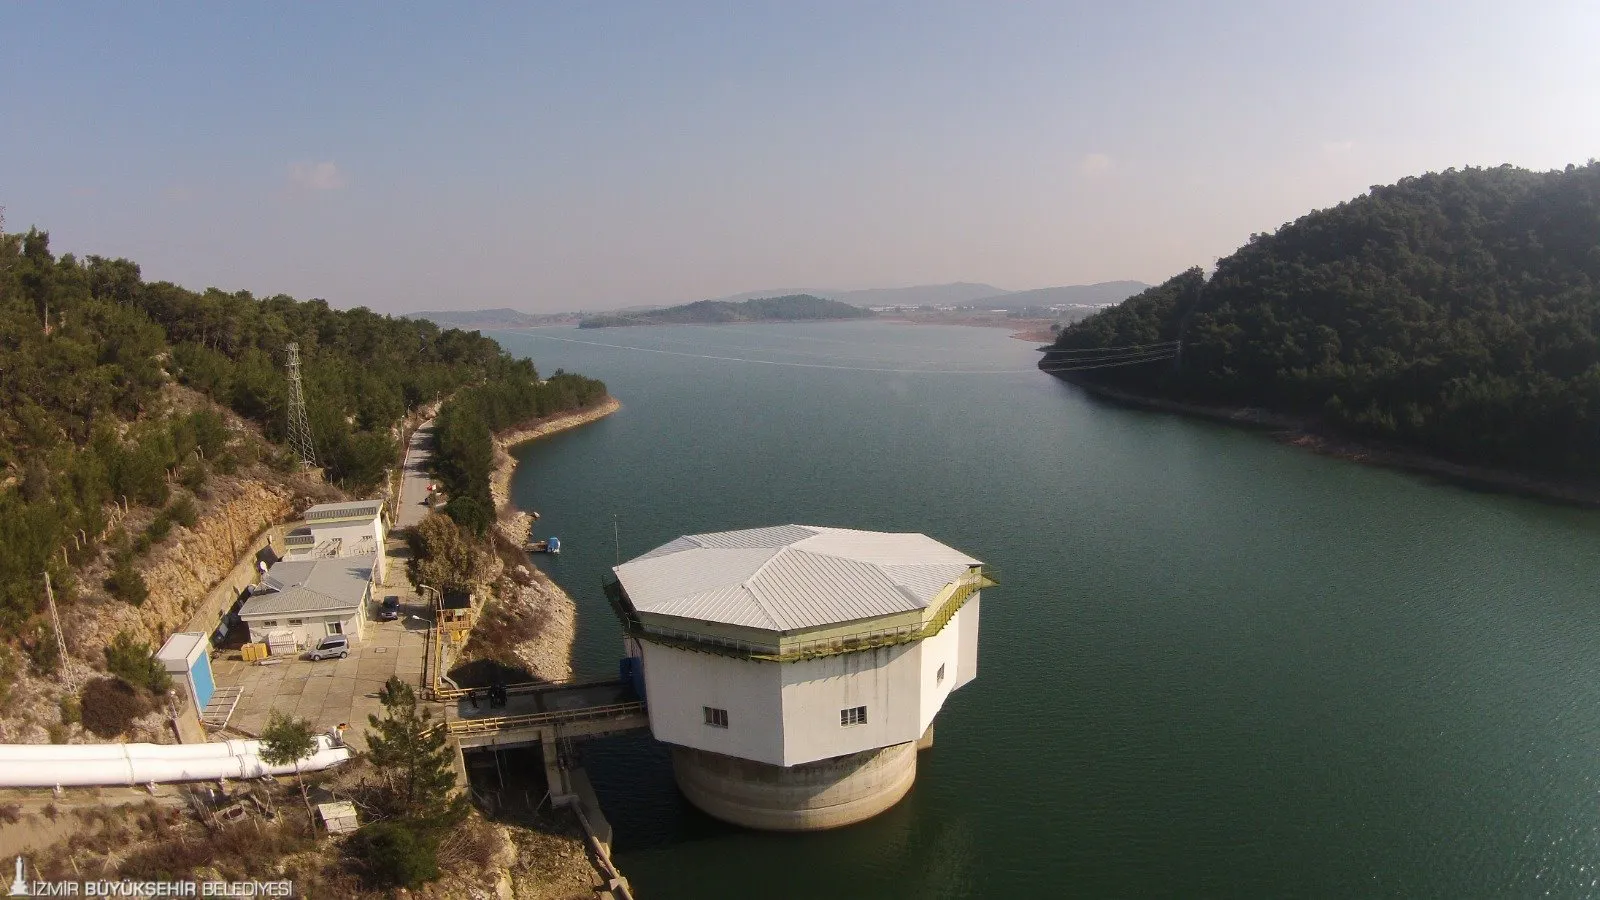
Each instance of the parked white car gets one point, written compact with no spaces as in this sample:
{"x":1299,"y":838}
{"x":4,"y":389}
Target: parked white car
{"x":330,"y":647}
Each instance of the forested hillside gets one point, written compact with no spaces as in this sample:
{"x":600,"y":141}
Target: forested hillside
{"x":105,"y":424}
{"x":1456,"y":312}
{"x":464,"y":430}
{"x":789,"y":308}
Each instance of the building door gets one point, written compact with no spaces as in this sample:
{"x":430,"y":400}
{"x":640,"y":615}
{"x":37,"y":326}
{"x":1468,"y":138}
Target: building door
{"x":335,"y":628}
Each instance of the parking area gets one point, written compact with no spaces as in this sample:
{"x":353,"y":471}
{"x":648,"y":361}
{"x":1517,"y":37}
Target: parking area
{"x":328,"y":692}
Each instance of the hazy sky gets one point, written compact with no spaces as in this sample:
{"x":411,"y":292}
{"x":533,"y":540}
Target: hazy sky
{"x":597,"y":154}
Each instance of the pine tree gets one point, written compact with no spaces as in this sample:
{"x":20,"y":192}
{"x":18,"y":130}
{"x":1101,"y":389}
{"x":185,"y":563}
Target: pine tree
{"x":287,"y":740}
{"x":412,"y":752}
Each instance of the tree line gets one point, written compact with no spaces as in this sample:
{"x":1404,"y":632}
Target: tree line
{"x":1456,"y":312}
{"x":512,"y":394}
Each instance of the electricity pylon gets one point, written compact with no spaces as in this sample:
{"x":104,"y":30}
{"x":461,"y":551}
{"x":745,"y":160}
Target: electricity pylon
{"x":299,"y":426}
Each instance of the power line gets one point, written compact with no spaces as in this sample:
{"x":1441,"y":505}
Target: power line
{"x":795,"y":365}
{"x":1100,"y":359}
{"x":1152,"y":353}
{"x":1154,"y":346}
{"x":1109,"y":364}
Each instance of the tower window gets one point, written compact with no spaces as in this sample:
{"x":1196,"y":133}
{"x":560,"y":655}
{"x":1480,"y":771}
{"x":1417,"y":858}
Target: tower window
{"x":716,"y":718}
{"x":939,"y":678}
{"x":855,"y":715}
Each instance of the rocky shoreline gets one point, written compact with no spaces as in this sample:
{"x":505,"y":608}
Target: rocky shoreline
{"x":1305,"y":433}
{"x":549,"y":655}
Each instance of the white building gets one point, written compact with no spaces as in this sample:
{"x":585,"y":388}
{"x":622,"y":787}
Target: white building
{"x":795,"y":669}
{"x":311,"y":599}
{"x":339,"y":530}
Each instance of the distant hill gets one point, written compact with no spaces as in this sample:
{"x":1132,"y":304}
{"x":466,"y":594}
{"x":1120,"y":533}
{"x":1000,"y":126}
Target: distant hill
{"x":489,"y":318}
{"x":789,"y":308}
{"x":1101,"y":294}
{"x":953,"y":294}
{"x":959,"y":293}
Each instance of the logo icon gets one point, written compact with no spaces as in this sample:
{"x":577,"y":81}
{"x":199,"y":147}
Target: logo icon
{"x":19,"y":885}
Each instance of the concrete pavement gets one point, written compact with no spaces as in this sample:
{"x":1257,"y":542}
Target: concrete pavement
{"x":414,"y":477}
{"x":330,"y":691}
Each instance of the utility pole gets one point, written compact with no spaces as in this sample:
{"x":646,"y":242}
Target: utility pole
{"x":61,"y":642}
{"x":299,"y":425}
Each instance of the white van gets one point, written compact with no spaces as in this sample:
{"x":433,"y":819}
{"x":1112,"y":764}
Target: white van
{"x":336,"y":645}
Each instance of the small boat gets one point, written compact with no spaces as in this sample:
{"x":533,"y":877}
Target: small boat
{"x":553,"y":545}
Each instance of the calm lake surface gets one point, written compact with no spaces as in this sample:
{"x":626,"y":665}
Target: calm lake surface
{"x":1215,"y":666}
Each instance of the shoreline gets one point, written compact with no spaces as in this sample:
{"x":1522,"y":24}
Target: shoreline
{"x":1305,"y":434}
{"x":548,"y":655}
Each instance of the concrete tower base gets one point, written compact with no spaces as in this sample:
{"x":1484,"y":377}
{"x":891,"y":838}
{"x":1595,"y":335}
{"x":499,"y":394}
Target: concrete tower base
{"x":811,"y":797}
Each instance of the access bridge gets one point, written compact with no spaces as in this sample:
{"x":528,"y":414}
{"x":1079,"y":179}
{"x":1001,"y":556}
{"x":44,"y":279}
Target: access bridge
{"x":542,"y":713}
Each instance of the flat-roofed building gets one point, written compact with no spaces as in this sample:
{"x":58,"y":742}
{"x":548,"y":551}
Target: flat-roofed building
{"x":329,"y":530}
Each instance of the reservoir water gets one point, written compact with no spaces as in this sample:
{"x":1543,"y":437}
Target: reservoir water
{"x":1215,"y":666}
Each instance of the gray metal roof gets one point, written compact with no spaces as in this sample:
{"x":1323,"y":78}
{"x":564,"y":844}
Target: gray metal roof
{"x":356,"y":509}
{"x":303,"y":586}
{"x":791,"y":576}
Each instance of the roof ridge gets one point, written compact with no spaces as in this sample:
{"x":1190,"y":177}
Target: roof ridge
{"x":877,"y":569}
{"x":760,"y":600}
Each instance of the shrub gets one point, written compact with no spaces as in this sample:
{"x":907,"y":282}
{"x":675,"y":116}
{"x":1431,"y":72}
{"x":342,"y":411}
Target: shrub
{"x":125,"y":583}
{"x":132,"y":661}
{"x":393,"y":854}
{"x":71,"y":710}
{"x":110,"y":705}
{"x":210,"y":431}
{"x":44,"y":651}
{"x":193,"y":476}
{"x":183,"y":511}
{"x":8,"y":671}
{"x":158,"y":529}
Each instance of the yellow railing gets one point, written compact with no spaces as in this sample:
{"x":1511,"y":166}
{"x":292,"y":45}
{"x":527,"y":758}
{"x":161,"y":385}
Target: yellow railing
{"x":525,"y":687}
{"x":535,"y":720}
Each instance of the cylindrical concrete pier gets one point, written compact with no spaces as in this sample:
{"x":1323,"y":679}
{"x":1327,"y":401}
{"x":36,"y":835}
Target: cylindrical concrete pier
{"x":828,"y":793}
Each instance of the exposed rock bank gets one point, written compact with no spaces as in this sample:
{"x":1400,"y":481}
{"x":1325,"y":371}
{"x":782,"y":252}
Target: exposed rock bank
{"x":548,"y":655}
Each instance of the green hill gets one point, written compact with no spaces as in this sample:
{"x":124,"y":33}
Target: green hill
{"x":1457,"y":313}
{"x":126,"y":401}
{"x":789,"y":308}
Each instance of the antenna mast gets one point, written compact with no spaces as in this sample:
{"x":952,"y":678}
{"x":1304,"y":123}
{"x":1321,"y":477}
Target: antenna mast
{"x":299,"y":426}
{"x":61,"y":642}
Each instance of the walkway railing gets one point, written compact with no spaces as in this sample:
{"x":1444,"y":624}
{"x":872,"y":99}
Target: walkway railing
{"x":534,"y":720}
{"x":524,"y":687}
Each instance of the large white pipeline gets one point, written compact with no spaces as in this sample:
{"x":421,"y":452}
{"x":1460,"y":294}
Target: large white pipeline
{"x":79,"y":752}
{"x":136,"y":764}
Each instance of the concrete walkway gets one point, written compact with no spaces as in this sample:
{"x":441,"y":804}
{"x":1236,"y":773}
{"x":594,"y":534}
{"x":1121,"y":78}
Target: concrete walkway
{"x":414,"y":477}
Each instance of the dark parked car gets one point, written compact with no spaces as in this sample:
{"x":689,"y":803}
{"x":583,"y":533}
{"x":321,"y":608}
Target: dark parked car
{"x":390,"y":610}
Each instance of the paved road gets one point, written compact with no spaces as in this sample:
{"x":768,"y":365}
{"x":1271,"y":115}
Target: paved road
{"x":414,"y":483}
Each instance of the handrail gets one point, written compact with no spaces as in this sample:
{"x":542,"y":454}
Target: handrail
{"x":701,"y":643}
{"x":501,"y":723}
{"x":528,"y":687}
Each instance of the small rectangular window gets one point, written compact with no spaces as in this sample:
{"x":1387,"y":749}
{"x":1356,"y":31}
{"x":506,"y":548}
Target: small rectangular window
{"x":296,"y":621}
{"x":270,"y":622}
{"x":716,"y":718}
{"x":939,"y":678}
{"x":855,"y":715}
